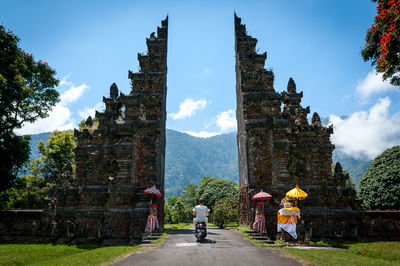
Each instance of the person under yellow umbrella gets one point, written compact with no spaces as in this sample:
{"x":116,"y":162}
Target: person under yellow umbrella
{"x":287,"y":216}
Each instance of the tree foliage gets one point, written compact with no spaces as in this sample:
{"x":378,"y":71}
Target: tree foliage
{"x":380,"y":185}
{"x":179,"y":209}
{"x":56,"y":154}
{"x":14,"y":152}
{"x":212,"y":189}
{"x":44,"y":173}
{"x":176,"y":211}
{"x":226,"y":210}
{"x":26,"y":94}
{"x":382,"y":45}
{"x":189,"y":195}
{"x":28,"y":192}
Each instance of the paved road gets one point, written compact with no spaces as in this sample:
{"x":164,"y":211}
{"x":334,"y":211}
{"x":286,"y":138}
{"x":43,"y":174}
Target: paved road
{"x":224,"y":247}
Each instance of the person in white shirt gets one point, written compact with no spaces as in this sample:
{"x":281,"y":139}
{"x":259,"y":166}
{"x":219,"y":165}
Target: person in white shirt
{"x":201,"y":212}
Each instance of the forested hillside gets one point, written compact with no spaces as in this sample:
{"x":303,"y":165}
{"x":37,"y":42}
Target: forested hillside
{"x":189,"y":158}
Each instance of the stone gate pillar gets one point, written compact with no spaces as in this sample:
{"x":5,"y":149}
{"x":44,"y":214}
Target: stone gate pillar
{"x":278,"y":148}
{"x":119,"y":154}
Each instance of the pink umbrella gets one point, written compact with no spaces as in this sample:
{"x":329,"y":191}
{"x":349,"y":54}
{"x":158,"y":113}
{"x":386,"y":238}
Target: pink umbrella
{"x":153,"y":191}
{"x":262,"y":196}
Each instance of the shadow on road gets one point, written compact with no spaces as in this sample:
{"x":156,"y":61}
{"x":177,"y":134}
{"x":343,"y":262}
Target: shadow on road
{"x":181,"y":232}
{"x":208,"y":241}
{"x":187,"y":232}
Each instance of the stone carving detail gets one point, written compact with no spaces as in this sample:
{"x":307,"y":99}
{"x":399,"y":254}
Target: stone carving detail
{"x":121,"y":156}
{"x":280,"y":149}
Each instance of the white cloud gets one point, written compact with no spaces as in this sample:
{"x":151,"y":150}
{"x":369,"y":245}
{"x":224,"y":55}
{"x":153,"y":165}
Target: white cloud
{"x":367,"y":134}
{"x":60,"y":116}
{"x":188,"y":108}
{"x":91,"y":111}
{"x":59,"y":119}
{"x":227,"y":121}
{"x":373,"y":84}
{"x":202,"y":134}
{"x":65,"y":82}
{"x":73,"y":93}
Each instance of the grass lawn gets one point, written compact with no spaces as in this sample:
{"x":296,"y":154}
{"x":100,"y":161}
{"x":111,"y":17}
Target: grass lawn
{"x":178,"y":226}
{"x":353,"y":253}
{"x":368,"y":253}
{"x":48,"y":254}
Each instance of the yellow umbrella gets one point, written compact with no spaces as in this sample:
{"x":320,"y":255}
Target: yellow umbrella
{"x":296,"y":193}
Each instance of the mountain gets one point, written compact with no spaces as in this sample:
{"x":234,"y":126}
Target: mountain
{"x":355,"y":167}
{"x":190,"y":158}
{"x":187,"y":158}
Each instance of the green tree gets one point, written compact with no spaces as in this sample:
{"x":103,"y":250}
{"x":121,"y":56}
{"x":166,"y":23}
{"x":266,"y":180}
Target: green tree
{"x":176,"y":211}
{"x":57,"y":154}
{"x":44,"y":173}
{"x":226,"y":210}
{"x":167,"y":213}
{"x":203,"y":185}
{"x":189,"y":195}
{"x":26,"y":95}
{"x":179,"y":212}
{"x":382,"y":45}
{"x":28,"y":191}
{"x":213,"y":189}
{"x":380,"y":185}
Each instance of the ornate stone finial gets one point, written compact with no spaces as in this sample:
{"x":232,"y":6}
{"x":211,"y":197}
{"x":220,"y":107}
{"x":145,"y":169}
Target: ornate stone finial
{"x":114,"y":91}
{"x":153,"y":36}
{"x":301,"y":120}
{"x":316,"y":120}
{"x":291,"y":86}
{"x":338,"y":169}
{"x":89,"y":121}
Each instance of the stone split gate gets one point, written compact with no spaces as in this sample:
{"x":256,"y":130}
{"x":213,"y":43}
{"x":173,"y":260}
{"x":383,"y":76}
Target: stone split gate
{"x":125,"y":153}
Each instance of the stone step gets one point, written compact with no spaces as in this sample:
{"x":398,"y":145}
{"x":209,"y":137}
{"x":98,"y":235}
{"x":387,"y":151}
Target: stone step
{"x":147,"y":245}
{"x":257,"y":234}
{"x":260,"y":238}
{"x":152,"y":237}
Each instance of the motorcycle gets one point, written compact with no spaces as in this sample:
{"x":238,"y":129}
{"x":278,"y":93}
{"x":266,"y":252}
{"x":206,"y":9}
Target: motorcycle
{"x":200,"y":231}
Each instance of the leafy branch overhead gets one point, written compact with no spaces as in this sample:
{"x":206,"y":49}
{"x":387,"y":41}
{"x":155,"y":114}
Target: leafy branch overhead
{"x":26,"y":94}
{"x":382,"y":45}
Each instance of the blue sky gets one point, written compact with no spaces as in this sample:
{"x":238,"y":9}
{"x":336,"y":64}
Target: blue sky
{"x":94,"y":43}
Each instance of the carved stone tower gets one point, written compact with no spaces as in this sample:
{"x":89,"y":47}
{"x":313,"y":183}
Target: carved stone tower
{"x":120,"y":157}
{"x":279,"y":149}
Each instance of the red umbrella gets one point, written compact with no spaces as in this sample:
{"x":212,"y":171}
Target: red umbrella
{"x":262,"y":196}
{"x":153,"y":191}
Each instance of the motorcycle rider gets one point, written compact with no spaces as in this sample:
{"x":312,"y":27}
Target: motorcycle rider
{"x":201,"y":212}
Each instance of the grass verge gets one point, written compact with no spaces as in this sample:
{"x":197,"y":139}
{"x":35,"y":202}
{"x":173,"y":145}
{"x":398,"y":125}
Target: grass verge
{"x":178,"y":226}
{"x":48,"y":254}
{"x":353,"y":253}
{"x":368,"y":253}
